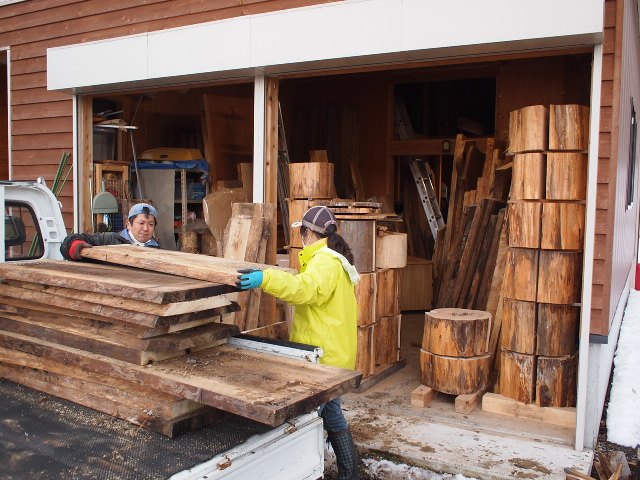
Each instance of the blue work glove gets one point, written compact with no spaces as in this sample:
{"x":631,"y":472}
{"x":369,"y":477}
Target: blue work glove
{"x":249,"y":278}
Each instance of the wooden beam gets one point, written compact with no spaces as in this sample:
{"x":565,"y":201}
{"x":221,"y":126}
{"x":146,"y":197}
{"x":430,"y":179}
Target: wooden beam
{"x":494,"y":403}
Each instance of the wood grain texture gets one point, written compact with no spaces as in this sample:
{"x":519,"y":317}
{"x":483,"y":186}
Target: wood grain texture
{"x":309,"y":180}
{"x":518,"y":332}
{"x":366,"y":291}
{"x":566,"y":176}
{"x":360,"y":233}
{"x":131,"y":283}
{"x":529,"y":176}
{"x":456,"y":332}
{"x":556,"y":381}
{"x":455,"y":376}
{"x":521,"y":274}
{"x":517,"y":376}
{"x":528,"y":129}
{"x":239,"y":381}
{"x":563,"y":226}
{"x":391,"y":250}
{"x":557,"y":330}
{"x":387,"y":292}
{"x":560,"y":278}
{"x":365,"y":356}
{"x":568,"y":127}
{"x":386,"y":340}
{"x":524,"y":224}
{"x":190,"y":265}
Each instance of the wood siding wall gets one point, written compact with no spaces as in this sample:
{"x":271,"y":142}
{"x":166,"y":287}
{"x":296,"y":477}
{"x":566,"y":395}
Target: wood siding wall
{"x":42,"y":120}
{"x":4,"y":138}
{"x":616,"y":226}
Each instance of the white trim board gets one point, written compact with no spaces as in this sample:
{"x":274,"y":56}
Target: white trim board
{"x":333,"y":35}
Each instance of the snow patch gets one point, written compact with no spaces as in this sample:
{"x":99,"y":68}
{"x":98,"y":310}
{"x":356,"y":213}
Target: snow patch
{"x":623,"y":412}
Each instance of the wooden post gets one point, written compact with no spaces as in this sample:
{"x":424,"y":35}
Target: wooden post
{"x":84,"y":164}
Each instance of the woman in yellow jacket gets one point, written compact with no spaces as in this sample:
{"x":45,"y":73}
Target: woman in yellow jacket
{"x":325,"y":314}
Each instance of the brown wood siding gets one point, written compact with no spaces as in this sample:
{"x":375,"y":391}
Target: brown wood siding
{"x":42,"y":125}
{"x":4,"y":135}
{"x":616,"y":226}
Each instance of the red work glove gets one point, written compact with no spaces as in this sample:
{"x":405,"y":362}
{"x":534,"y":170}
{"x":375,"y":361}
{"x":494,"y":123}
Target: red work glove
{"x":76,"y":247}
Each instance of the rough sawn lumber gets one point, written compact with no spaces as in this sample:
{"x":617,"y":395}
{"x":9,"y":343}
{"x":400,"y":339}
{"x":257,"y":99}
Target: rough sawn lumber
{"x":191,"y":265}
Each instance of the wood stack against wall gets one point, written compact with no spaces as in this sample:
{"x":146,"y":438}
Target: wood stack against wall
{"x":310,"y":184}
{"x":542,"y":284}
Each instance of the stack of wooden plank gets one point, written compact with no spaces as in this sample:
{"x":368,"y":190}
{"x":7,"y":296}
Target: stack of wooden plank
{"x":467,"y":251}
{"x":144,"y":346}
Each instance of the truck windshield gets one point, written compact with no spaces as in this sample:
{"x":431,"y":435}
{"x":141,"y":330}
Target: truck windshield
{"x":22,"y":239}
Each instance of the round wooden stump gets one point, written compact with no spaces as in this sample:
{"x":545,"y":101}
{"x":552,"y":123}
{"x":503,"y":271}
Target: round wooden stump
{"x":455,"y":376}
{"x":456,"y":332}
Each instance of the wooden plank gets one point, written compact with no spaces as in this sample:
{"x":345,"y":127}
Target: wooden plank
{"x":120,"y":281}
{"x":124,"y":315}
{"x":110,"y":342}
{"x":494,"y":403}
{"x":111,"y":401}
{"x":191,"y":265}
{"x":164,"y":310}
{"x":9,"y":305}
{"x":491,"y":268}
{"x":471,"y":295}
{"x":250,"y":384}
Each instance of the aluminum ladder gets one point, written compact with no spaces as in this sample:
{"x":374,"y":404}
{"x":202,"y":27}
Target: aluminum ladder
{"x":427,"y":195}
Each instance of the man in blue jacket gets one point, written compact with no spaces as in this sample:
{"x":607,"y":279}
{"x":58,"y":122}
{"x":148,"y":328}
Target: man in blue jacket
{"x":139,"y":230}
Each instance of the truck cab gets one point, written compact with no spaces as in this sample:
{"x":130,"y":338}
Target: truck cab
{"x":33,"y":226}
{"x":33,"y":230}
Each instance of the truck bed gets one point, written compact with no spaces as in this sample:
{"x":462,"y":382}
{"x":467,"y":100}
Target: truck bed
{"x":42,"y":436}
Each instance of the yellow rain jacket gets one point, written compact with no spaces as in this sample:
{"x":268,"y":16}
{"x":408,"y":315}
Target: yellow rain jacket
{"x":326,"y":313}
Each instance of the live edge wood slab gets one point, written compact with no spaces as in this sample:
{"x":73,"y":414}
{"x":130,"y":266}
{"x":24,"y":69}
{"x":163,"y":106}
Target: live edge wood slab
{"x":191,"y":265}
{"x":266,"y":388}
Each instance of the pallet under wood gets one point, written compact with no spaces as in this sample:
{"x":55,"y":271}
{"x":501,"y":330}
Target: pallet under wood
{"x":422,"y":396}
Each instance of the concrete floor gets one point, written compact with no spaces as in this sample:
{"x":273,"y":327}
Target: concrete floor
{"x":481,"y":444}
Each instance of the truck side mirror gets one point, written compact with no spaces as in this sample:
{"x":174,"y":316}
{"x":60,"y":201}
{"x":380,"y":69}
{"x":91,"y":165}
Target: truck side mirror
{"x":15,"y":232}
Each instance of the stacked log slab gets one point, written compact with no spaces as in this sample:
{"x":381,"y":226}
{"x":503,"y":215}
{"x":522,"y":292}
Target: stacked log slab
{"x":454,"y":357}
{"x":121,"y":314}
{"x":147,"y":347}
{"x":542,"y":285}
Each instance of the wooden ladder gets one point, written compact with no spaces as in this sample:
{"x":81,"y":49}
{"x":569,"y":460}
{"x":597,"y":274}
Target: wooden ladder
{"x":283,"y":176}
{"x":427,"y":195}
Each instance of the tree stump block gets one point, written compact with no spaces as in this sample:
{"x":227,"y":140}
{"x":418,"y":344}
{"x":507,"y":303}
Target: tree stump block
{"x":361,"y":236}
{"x":521,"y":274}
{"x":566,"y":176}
{"x":528,"y":129}
{"x":366,"y":298}
{"x":391,"y":250}
{"x":456,"y":332}
{"x":560,"y":277}
{"x":311,"y":180}
{"x":387,"y":340}
{"x":524,"y":224}
{"x":517,"y":376}
{"x":365,"y":360}
{"x":387,"y":292}
{"x":455,"y":376}
{"x":518,"y":333}
{"x":568,"y":127}
{"x":556,"y":381}
{"x":529,"y":176}
{"x":557,"y":330}
{"x":562,"y":226}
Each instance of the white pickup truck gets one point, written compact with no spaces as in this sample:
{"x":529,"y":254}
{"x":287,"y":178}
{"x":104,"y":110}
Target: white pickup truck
{"x":46,"y":437}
